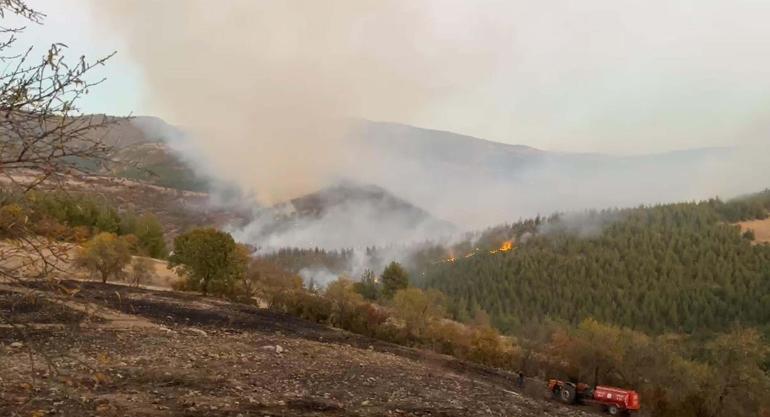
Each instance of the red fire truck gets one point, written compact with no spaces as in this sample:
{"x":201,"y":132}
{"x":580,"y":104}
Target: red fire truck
{"x":615,"y":401}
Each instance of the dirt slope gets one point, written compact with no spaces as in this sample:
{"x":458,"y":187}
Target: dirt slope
{"x":761,"y":229}
{"x":195,"y":356}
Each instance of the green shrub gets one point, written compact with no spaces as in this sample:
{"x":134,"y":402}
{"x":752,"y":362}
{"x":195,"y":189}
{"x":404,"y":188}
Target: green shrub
{"x":13,"y":221}
{"x":209,"y":260}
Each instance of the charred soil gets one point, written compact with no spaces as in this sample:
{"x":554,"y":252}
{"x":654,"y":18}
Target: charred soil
{"x":141,"y":352}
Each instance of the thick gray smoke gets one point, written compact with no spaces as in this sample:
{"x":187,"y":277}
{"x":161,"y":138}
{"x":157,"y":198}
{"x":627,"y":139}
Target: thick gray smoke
{"x":267,"y":88}
{"x":583,"y":224}
{"x":272,"y":94}
{"x":351,"y":224}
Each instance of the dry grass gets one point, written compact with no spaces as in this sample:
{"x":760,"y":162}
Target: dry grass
{"x":761,"y":229}
{"x":24,"y":260}
{"x":200,"y":356}
{"x":161,"y":276}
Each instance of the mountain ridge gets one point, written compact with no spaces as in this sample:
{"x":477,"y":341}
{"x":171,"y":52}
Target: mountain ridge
{"x":468,"y":181}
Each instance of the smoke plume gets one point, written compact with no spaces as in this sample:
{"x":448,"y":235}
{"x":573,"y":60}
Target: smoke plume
{"x":271,"y":94}
{"x":267,"y":88}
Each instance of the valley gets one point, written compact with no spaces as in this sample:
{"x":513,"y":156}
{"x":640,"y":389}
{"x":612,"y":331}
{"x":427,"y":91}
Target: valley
{"x":365,"y":209}
{"x":468,"y":182}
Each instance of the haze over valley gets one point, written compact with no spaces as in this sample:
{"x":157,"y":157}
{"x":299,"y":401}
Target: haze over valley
{"x":456,"y":183}
{"x":367,"y":208}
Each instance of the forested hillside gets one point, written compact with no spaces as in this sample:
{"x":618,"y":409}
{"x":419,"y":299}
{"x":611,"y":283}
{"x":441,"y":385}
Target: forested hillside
{"x":677,"y":267}
{"x":295,"y":259}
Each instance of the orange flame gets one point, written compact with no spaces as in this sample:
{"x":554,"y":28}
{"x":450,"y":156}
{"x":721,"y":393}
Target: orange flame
{"x":505,"y":247}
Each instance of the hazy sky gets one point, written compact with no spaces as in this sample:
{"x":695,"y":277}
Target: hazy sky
{"x":70,"y":22}
{"x":618,"y":76}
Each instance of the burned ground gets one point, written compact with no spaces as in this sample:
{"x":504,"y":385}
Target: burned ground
{"x":159,"y":353}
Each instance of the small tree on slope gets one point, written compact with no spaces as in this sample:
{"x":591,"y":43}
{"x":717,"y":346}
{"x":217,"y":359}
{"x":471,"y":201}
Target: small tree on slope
{"x":209,"y":259}
{"x":394,"y":278}
{"x":106,"y":254}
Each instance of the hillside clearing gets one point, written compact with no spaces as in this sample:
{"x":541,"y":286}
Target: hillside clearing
{"x":761,"y":229}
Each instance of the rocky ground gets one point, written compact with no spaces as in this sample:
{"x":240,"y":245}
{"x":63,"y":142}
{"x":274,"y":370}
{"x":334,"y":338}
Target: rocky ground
{"x":110,"y":350}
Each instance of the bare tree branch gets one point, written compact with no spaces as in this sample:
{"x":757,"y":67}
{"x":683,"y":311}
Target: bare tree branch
{"x":44,"y":140}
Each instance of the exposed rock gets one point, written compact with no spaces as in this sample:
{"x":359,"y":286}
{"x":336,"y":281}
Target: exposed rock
{"x":195,"y":331}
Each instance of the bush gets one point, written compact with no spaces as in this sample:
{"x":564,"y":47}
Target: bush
{"x":305,"y":305}
{"x":448,"y":337}
{"x":418,"y":308}
{"x":489,"y":348}
{"x":50,"y":228}
{"x":106,"y":254}
{"x":74,"y":210}
{"x":266,"y":282}
{"x":368,"y":286}
{"x":141,"y":271}
{"x":80,"y":234}
{"x":13,"y":221}
{"x":368,"y":319}
{"x":344,"y":301}
{"x":75,"y":217}
{"x":149,"y":234}
{"x":394,"y":278}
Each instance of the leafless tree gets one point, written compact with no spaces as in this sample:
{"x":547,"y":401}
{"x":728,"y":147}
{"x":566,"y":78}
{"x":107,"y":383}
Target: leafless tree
{"x":41,"y":129}
{"x":44,"y":141}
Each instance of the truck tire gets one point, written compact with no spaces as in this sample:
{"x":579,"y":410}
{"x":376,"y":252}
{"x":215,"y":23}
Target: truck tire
{"x":567,"y":394}
{"x":613,"y":410}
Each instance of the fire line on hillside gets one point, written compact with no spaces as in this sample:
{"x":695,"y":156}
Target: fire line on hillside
{"x":506,"y":246}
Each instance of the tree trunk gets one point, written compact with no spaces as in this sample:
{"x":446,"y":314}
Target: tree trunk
{"x":524,"y":364}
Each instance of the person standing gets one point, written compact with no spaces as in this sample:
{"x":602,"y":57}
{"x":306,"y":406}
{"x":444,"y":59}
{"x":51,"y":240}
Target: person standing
{"x":520,"y":380}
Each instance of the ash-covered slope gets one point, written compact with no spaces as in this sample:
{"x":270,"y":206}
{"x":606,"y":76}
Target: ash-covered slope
{"x":179,"y":354}
{"x":346,"y":215}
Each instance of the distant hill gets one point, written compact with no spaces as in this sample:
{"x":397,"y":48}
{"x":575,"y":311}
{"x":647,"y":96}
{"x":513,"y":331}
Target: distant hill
{"x":475,"y":182}
{"x":160,"y":167}
{"x":150,"y":142}
{"x":447,"y":156}
{"x":441,"y":148}
{"x":468,"y":181}
{"x":143,"y":152}
{"x":343,"y":216}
